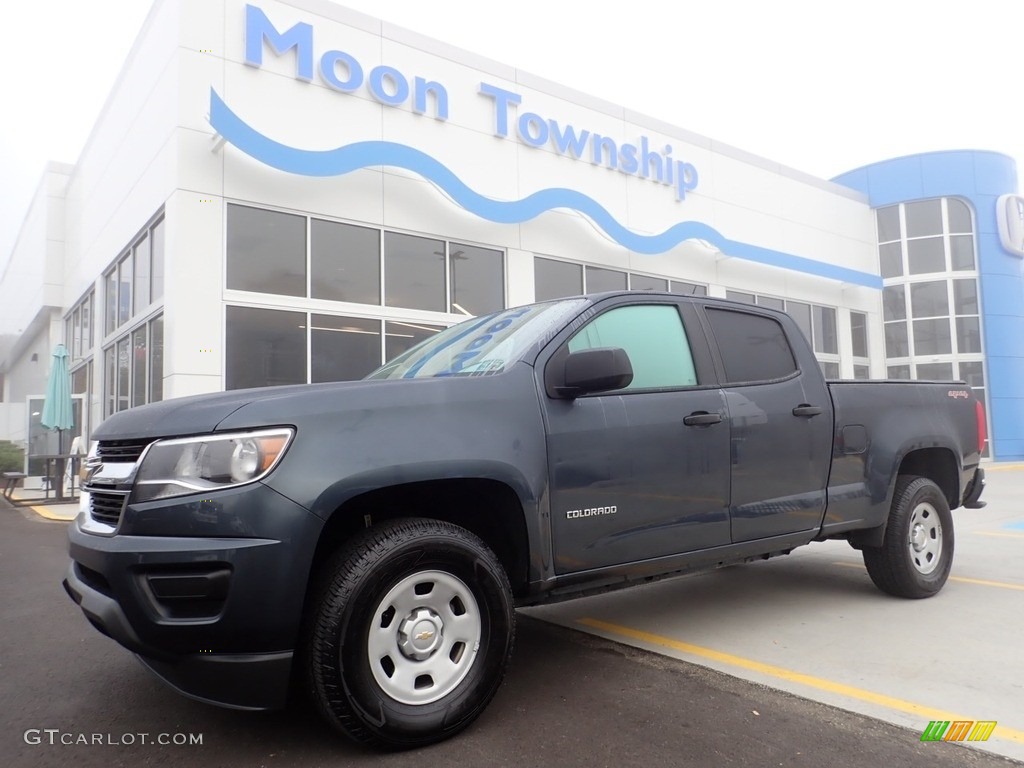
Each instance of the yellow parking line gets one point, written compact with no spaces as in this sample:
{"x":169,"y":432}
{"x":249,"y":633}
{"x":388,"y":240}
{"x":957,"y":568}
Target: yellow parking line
{"x":1001,"y":535}
{"x":1003,"y":467}
{"x":987,"y":583}
{"x":961,"y":579}
{"x":901,"y":705}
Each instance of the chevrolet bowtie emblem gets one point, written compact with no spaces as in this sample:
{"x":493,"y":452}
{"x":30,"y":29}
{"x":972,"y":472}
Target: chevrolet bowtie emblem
{"x":425,"y":635}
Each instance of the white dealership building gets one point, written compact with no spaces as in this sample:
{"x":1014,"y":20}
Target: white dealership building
{"x":289,"y":192}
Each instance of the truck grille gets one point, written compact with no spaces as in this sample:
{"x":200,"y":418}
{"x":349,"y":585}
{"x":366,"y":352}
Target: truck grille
{"x":127,"y":451}
{"x":106,"y":507}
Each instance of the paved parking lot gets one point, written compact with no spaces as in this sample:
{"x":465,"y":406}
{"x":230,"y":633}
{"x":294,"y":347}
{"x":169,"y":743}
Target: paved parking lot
{"x":576,"y":699}
{"x":813,"y":623}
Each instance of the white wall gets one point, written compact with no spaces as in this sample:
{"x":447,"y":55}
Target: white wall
{"x":153,"y":147}
{"x":745,"y":198}
{"x":32,"y":277}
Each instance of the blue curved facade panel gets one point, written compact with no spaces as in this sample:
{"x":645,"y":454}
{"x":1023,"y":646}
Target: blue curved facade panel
{"x":980,"y":178}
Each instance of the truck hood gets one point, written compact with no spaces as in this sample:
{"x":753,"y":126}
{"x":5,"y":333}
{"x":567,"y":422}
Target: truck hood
{"x":201,"y":414}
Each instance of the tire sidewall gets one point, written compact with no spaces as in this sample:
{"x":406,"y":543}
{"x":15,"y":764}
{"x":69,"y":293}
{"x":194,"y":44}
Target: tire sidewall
{"x":925,"y":491}
{"x":391,"y":721}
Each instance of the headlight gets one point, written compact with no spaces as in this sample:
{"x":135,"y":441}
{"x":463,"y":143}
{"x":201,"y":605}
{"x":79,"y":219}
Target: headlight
{"x":211,"y":462}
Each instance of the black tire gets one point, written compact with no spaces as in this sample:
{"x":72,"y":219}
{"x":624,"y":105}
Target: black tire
{"x":917,"y":551}
{"x":440,"y":582}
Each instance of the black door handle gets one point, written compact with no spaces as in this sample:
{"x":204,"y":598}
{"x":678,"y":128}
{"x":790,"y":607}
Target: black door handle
{"x":807,"y":411}
{"x":702,"y":419}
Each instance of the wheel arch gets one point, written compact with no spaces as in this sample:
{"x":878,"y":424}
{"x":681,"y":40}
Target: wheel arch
{"x":488,"y":508}
{"x":938,"y":464}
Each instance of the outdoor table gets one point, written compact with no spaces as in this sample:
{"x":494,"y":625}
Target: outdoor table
{"x":58,"y":462}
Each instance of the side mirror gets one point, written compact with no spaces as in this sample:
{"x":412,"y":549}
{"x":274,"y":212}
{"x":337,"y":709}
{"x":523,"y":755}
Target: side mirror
{"x":595,"y":370}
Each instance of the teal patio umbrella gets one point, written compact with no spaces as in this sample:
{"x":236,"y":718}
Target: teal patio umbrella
{"x":58,"y":411}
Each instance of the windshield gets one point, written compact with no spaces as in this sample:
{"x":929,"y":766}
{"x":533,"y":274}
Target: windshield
{"x":482,"y":346}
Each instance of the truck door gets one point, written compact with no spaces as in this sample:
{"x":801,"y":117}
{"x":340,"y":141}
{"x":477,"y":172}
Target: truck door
{"x":643,"y":471}
{"x":780,"y":418}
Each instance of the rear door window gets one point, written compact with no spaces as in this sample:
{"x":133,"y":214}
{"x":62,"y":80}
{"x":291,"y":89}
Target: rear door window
{"x":752,"y":347}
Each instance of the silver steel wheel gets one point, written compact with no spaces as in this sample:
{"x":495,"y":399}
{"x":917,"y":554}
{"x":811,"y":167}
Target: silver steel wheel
{"x":925,"y":538}
{"x":423,"y":637}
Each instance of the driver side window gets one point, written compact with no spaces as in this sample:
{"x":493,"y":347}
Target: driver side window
{"x":654,"y":339}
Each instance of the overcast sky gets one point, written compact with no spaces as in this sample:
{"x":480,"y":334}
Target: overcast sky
{"x":820,"y":86}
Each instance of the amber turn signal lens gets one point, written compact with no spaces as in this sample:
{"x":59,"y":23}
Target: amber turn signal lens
{"x":271,"y":448}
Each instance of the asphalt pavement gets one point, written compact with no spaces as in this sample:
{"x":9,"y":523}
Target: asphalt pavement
{"x":570,"y":699}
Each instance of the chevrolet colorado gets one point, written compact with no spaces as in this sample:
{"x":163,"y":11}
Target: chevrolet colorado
{"x":368,"y":541}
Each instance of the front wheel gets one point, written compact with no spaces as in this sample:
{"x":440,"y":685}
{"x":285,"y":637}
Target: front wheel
{"x":917,"y":551}
{"x":411,"y":633}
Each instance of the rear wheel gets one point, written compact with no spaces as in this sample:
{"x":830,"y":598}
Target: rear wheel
{"x":917,"y":551}
{"x":411,"y":634}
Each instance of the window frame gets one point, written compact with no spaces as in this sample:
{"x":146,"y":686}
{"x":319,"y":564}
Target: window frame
{"x":79,"y":337}
{"x":110,"y":278}
{"x":629,"y":388}
{"x":555,"y":351}
{"x":720,"y":362}
{"x":110,"y":386}
{"x":685,"y":287}
{"x":446,"y":315}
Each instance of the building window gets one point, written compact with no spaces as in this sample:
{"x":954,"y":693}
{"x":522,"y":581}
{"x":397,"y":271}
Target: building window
{"x":156,"y":359}
{"x":81,"y":385}
{"x":600,"y":279}
{"x":898,"y":372}
{"x":344,"y":262}
{"x":829,"y":370}
{"x":859,"y":333}
{"x":771,"y":302}
{"x":124,"y":289}
{"x":477,"y":279}
{"x":935,"y":371}
{"x":890,"y":256}
{"x":826,"y":335}
{"x":267,"y":347}
{"x":141,"y":266}
{"x":859,"y":345}
{"x":78,"y":325}
{"x":133,"y":368}
{"x":555,"y":279}
{"x":740,"y":296}
{"x":343,"y":348}
{"x":400,"y":337}
{"x":414,"y":272}
{"x":110,"y":302}
{"x":923,"y":218}
{"x":647,"y":283}
{"x":889,"y":227}
{"x":264,"y":347}
{"x":136,"y":280}
{"x":930,"y":296}
{"x":267,"y":252}
{"x":688,"y":289}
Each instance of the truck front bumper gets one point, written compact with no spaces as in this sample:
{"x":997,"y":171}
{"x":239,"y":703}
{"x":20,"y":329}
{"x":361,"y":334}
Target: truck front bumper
{"x":216,"y":616}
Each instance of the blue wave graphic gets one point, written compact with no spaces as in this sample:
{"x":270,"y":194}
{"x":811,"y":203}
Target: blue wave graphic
{"x":363,"y":154}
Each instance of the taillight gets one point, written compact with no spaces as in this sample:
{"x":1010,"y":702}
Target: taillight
{"x":979,"y":411}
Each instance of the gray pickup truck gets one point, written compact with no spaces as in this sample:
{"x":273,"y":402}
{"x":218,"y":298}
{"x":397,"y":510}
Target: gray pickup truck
{"x":367,"y":542}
